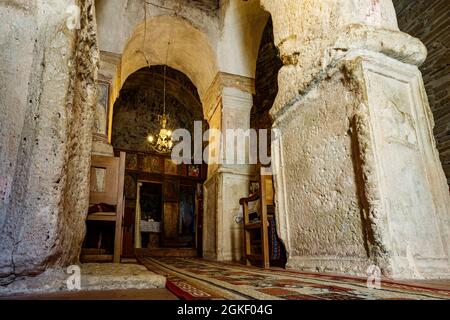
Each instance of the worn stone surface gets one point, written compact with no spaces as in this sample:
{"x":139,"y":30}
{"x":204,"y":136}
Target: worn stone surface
{"x":71,"y":226}
{"x":325,"y":226}
{"x":19,"y":34}
{"x":44,"y":216}
{"x":417,"y":214}
{"x":223,"y":234}
{"x":311,"y":35}
{"x":104,"y":276}
{"x":33,"y":214}
{"x":430,"y":22}
{"x":340,"y":206}
{"x":382,"y":201}
{"x":227,"y":182}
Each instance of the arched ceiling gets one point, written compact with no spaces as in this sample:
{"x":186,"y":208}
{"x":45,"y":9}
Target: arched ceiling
{"x":189,"y":50}
{"x":139,"y":106}
{"x":178,"y":86}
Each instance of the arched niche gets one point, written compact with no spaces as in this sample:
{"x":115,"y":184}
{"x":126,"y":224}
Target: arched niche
{"x":139,"y":106}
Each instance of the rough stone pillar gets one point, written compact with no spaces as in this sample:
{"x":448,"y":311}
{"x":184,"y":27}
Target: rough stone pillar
{"x":358,"y":178}
{"x":108,"y":88}
{"x":49,"y":155}
{"x":227,"y":183}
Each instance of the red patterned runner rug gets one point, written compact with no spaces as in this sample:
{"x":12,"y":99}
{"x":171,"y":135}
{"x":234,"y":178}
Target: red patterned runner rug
{"x":197,"y":279}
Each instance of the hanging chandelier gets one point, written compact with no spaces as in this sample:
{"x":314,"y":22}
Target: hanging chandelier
{"x":162,"y":142}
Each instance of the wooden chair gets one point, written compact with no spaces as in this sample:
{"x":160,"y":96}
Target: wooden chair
{"x":264,"y":199}
{"x":110,"y":192}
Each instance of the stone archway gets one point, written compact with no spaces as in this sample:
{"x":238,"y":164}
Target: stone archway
{"x":349,"y":89}
{"x":200,"y":66}
{"x":190,"y":51}
{"x":223,"y":71}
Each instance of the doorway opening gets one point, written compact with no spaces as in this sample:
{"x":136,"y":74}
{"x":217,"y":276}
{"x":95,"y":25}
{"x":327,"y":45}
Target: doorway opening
{"x":186,"y":230}
{"x":150,"y":214}
{"x":162,"y":198}
{"x":268,"y":64}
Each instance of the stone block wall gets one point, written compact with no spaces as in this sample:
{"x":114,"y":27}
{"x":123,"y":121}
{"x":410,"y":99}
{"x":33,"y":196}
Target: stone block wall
{"x":429,"y":20}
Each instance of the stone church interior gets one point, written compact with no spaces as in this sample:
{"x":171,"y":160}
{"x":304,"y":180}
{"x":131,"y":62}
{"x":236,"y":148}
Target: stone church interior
{"x":349,"y":100}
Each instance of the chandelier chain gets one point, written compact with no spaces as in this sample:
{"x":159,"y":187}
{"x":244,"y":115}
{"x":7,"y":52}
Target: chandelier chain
{"x":163,"y":142}
{"x":165,"y":69}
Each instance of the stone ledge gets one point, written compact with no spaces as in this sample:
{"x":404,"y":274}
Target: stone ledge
{"x":394,"y":44}
{"x":308,"y":63}
{"x":354,"y":266}
{"x":105,"y":276}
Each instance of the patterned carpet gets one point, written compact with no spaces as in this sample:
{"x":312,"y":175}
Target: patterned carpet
{"x":197,"y":279}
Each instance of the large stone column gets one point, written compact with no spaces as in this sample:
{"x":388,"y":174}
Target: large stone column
{"x":229,"y":108}
{"x":358,"y":178}
{"x":49,"y":152}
